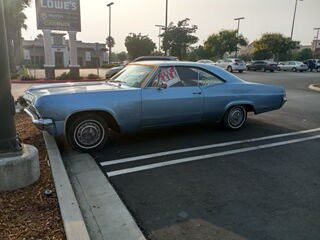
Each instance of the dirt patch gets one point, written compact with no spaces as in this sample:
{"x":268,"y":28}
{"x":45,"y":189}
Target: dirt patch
{"x":28,"y":213}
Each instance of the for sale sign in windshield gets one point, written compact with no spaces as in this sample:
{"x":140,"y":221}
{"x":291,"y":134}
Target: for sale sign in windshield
{"x":63,"y":15}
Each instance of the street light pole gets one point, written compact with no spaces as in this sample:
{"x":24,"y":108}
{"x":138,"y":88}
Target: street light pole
{"x":317,"y":39}
{"x":294,"y":18}
{"x":109,"y":6}
{"x":238,"y":29}
{"x":161,"y":27}
{"x":9,"y":142}
{"x":166,"y":22}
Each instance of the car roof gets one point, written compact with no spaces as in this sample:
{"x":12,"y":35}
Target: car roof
{"x":207,"y":67}
{"x":155,"y":58}
{"x":169,"y":63}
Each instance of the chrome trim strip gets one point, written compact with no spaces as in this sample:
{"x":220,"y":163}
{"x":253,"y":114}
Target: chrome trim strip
{"x":38,"y":121}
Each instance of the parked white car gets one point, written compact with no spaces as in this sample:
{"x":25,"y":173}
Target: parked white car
{"x":232,"y":64}
{"x":294,"y":66}
{"x":206,"y":61}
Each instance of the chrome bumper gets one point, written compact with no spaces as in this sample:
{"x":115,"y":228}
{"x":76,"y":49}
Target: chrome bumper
{"x":42,"y":124}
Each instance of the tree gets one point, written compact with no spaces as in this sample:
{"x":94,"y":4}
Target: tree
{"x":110,"y":42}
{"x":225,"y":41}
{"x":275,"y":45}
{"x":15,"y":21}
{"x":302,"y":55}
{"x":139,"y":45}
{"x":261,"y":54}
{"x":178,"y":38}
{"x":122,"y":56}
{"x":198,"y":53}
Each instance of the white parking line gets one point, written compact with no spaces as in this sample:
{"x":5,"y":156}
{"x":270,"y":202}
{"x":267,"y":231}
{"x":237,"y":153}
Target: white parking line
{"x":224,"y":144}
{"x":207,"y":156}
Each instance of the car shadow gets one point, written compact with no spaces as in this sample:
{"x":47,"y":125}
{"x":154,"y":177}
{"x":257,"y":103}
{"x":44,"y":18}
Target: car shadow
{"x":178,"y":137}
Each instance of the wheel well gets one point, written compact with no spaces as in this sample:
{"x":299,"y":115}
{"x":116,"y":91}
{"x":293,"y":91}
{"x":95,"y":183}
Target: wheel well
{"x":112,"y":123}
{"x":248,"y":107}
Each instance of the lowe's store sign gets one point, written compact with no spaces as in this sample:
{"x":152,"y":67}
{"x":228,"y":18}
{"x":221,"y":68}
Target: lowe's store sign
{"x":63,"y":15}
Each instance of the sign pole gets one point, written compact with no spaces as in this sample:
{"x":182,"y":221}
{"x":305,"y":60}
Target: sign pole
{"x":9,"y":142}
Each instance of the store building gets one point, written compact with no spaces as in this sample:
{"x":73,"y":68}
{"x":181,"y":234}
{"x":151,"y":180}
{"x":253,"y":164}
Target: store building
{"x":89,"y":54}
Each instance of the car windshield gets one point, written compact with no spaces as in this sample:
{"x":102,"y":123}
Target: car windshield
{"x":132,"y":75}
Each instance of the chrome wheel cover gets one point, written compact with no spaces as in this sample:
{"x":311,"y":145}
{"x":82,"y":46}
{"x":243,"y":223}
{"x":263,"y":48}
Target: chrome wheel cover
{"x":236,"y":117}
{"x":89,"y":134}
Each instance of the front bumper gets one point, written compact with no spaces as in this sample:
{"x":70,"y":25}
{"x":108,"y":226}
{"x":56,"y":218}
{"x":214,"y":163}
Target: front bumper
{"x":42,"y":124}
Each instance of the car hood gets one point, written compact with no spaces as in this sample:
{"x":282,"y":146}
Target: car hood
{"x":70,"y":88}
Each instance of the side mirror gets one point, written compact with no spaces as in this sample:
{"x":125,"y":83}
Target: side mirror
{"x":163,"y":85}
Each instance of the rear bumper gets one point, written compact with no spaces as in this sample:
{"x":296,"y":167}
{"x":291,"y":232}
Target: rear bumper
{"x":239,"y":68}
{"x":42,"y":124}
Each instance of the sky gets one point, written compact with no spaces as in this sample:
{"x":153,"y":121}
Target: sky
{"x":211,"y":16}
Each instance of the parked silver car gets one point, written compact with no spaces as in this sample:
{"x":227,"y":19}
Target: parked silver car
{"x":206,"y":61}
{"x":232,"y":64}
{"x":294,"y":66}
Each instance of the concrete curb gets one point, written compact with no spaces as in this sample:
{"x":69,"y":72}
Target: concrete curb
{"x":106,"y":216}
{"x":73,"y":222}
{"x":314,"y":87}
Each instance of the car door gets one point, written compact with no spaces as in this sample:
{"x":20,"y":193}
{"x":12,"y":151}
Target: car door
{"x":172,"y":97}
{"x":257,"y":65}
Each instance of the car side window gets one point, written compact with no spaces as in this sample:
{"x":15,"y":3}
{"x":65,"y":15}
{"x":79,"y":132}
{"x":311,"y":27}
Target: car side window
{"x":189,"y":76}
{"x":167,"y":75}
{"x":207,"y":79}
{"x":194,"y":76}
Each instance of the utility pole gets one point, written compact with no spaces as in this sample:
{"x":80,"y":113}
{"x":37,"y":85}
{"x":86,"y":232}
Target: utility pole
{"x":9,"y":142}
{"x":294,"y":18}
{"x":161,"y":27}
{"x":238,"y":29}
{"x":316,"y":42}
{"x":108,"y":42}
{"x":166,"y":23}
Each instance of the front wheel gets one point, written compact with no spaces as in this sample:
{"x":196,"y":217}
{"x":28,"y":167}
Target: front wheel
{"x":235,"y":118}
{"x":240,"y":71}
{"x":88,"y":133}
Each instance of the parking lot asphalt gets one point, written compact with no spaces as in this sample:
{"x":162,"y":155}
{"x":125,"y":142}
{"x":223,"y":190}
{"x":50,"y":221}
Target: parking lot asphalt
{"x":202,"y":182}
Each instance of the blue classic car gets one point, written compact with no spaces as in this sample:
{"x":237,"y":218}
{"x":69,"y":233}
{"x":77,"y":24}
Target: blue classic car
{"x":147,"y":95}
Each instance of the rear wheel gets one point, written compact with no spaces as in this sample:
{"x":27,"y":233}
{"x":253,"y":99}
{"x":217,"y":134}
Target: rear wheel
{"x":263,"y":69}
{"x":229,"y":69}
{"x":88,"y":133}
{"x":240,"y":71}
{"x":235,"y":118}
{"x":294,"y":69}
